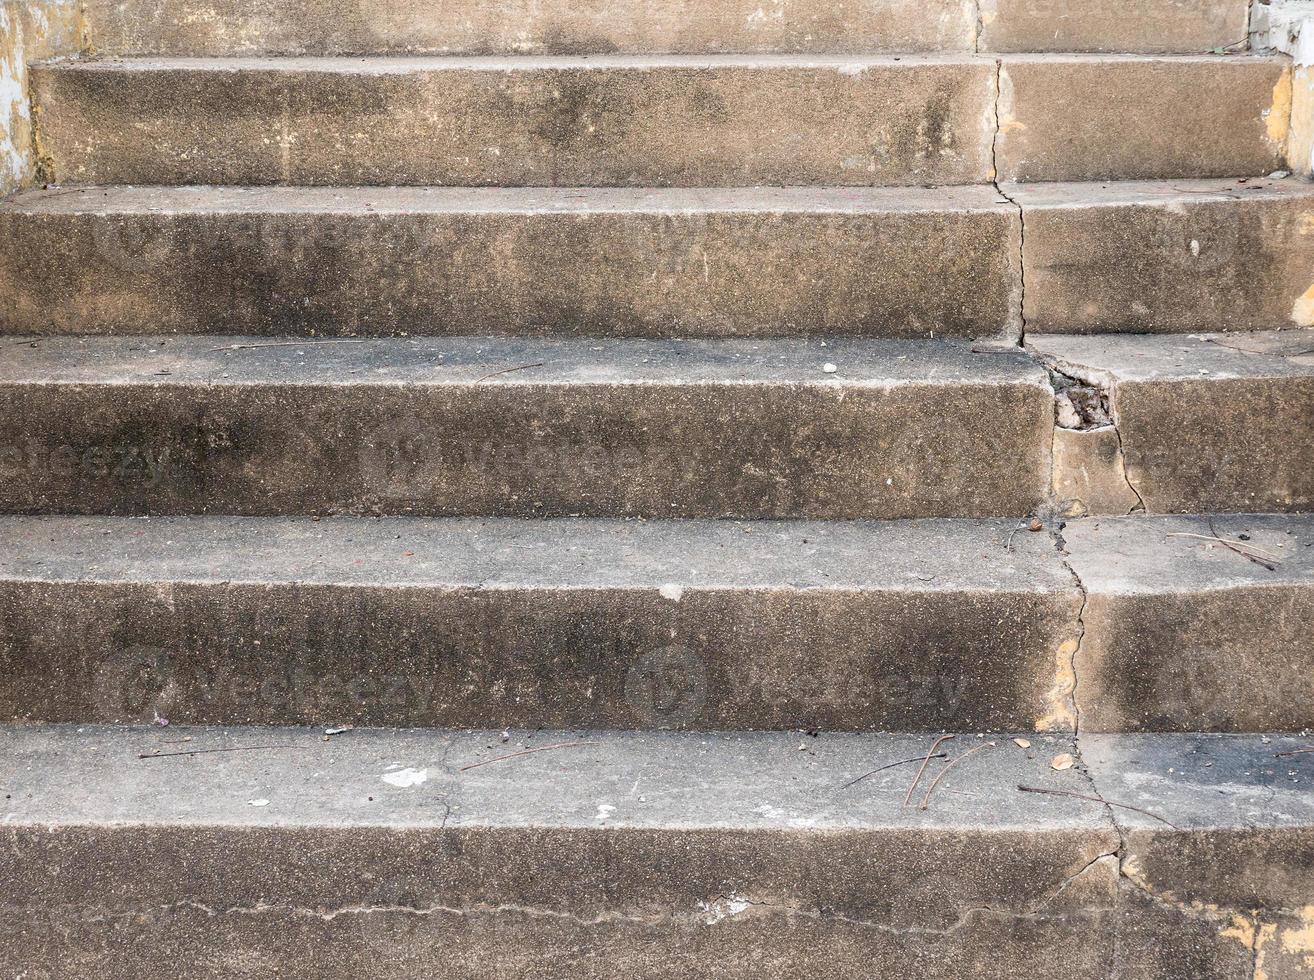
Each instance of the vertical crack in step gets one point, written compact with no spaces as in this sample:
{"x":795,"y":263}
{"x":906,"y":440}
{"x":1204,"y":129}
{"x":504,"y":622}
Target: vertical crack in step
{"x":1021,"y":214}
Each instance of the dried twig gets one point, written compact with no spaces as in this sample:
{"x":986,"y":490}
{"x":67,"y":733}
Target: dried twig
{"x":495,"y":374}
{"x":930,"y":754}
{"x":516,"y":755}
{"x":235,"y":748}
{"x":1231,"y":547}
{"x":892,"y":765}
{"x":1225,"y":541}
{"x":1283,"y":755}
{"x":1096,"y":799}
{"x":285,"y":343}
{"x":926,"y":800}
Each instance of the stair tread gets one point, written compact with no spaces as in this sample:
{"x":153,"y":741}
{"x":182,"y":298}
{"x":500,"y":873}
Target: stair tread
{"x":1203,"y":357}
{"x":1128,"y":555}
{"x":92,"y":775}
{"x":168,"y":200}
{"x":562,"y":554}
{"x":226,"y":361}
{"x":436,"y":200}
{"x":403,"y":64}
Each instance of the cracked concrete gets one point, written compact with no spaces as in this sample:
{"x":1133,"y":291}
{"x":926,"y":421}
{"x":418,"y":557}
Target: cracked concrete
{"x":706,"y":857}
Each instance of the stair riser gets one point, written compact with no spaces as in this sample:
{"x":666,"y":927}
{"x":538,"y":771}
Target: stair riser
{"x":707,"y":450}
{"x":670,"y":904}
{"x":1152,"y":257}
{"x":471,"y":656}
{"x":911,"y":273}
{"x":1201,"y":446}
{"x":647,"y":123}
{"x":1081,"y":119}
{"x":731,"y":125}
{"x":247,"y":27}
{"x":1178,"y":263}
{"x":662,"y":903}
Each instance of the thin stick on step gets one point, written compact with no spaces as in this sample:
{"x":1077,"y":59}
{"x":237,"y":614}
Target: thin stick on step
{"x":285,"y":343}
{"x":926,"y":800}
{"x":498,"y":374}
{"x":235,"y":748}
{"x":1218,"y":540}
{"x":1283,"y":755}
{"x":516,"y":755}
{"x":892,"y":765}
{"x":1231,"y":547}
{"x":930,"y":754}
{"x":1096,"y":799}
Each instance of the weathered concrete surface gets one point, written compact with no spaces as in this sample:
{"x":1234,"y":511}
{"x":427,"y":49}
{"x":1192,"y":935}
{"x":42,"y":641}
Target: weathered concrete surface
{"x":730,"y":856}
{"x":1229,"y":875}
{"x":328,"y":27}
{"x":1207,"y":422}
{"x":1075,"y":117}
{"x":29,"y":30}
{"x":1089,"y":475}
{"x":1181,"y":633}
{"x":462,"y":623}
{"x":1287,"y":26}
{"x":1168,"y":256}
{"x":475,"y":426}
{"x":616,"y":120}
{"x":1144,"y":26}
{"x":906,"y":262}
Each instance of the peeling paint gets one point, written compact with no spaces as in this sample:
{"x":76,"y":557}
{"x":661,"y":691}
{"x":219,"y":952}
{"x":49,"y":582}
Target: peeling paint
{"x":1277,"y":119}
{"x":1062,"y":714}
{"x":1302,"y":313}
{"x":31,"y":31}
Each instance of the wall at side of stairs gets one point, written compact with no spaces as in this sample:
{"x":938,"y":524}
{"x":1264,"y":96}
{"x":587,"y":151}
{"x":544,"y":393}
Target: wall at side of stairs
{"x":30,"y":30}
{"x":1288,"y":26}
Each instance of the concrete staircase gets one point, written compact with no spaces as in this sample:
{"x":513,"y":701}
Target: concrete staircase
{"x":560,"y":490}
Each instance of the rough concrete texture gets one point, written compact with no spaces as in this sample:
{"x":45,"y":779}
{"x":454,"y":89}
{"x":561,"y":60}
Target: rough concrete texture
{"x":672,"y":855}
{"x":616,"y":120}
{"x":1182,"y":633}
{"x":1074,"y":117}
{"x":907,"y":262}
{"x":1206,"y":422}
{"x":605,"y":624}
{"x":1089,"y":475}
{"x":329,"y":27}
{"x":1287,"y":26}
{"x":1173,"y":257}
{"x":728,"y":428}
{"x":1142,"y":26}
{"x":29,"y":30}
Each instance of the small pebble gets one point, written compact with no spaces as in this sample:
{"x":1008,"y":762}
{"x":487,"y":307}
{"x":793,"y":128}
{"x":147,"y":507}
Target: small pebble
{"x":830,"y":368}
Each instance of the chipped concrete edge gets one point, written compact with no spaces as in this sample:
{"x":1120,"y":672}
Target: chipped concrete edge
{"x":30,"y":30}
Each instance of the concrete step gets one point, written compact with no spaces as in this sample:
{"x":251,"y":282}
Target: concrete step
{"x":672,"y":856}
{"x":520,"y":261}
{"x":476,"y":426}
{"x":660,"y":120}
{"x":618,"y":624}
{"x":312,"y":27}
{"x":1139,"y":623}
{"x":1192,"y":424}
{"x":1171,"y":256}
{"x":1135,"y":256}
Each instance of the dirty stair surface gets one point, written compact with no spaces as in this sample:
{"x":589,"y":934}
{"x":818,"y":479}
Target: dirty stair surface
{"x":630,"y":428}
{"x":687,"y":854}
